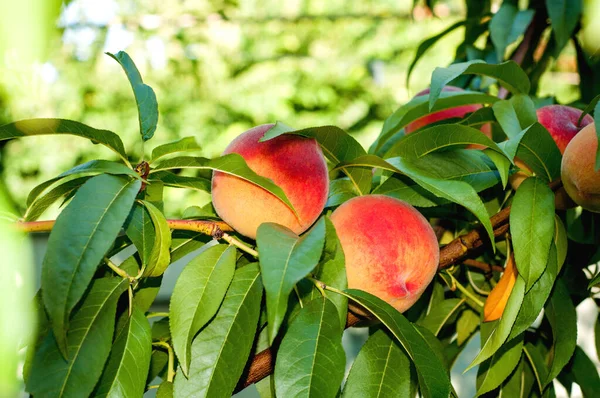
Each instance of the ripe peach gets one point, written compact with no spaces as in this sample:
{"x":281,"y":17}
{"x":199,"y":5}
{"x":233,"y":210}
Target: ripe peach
{"x":391,"y":250}
{"x":458,"y":112}
{"x":579,"y":178}
{"x":294,"y":163}
{"x":561,"y":122}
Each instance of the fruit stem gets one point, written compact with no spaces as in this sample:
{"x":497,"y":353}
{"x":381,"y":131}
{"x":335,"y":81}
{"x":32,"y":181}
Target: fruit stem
{"x":239,"y":244}
{"x":171,"y":370}
{"x":117,"y":270}
{"x":157,"y":314}
{"x":464,"y":291}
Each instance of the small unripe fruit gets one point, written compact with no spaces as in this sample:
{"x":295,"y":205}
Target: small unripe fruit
{"x":391,"y":250}
{"x":579,"y":178}
{"x":296,"y":164}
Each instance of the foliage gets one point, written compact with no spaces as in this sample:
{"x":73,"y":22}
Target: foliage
{"x":95,"y":335}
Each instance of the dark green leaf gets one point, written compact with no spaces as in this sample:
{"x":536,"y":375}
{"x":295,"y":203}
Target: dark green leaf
{"x":311,"y":360}
{"x":434,"y":378}
{"x":220,"y":351}
{"x":560,"y":241}
{"x":418,"y":107}
{"x":158,"y":363}
{"x":585,"y":373}
{"x":129,"y":361}
{"x":403,"y":188}
{"x":160,"y":255}
{"x":177,"y":181}
{"x":232,"y":164}
{"x":507,"y":24}
{"x":513,"y":78}
{"x":495,"y":370}
{"x":185,"y":144}
{"x":340,"y":190}
{"x":338,"y":146}
{"x":467,"y":323}
{"x":537,"y":363}
{"x":514,"y":385}
{"x":185,"y":242}
{"x":40,"y":205}
{"x":146,"y":292}
{"x":502,"y":164}
{"x":539,"y":151}
{"x":90,"y":338}
{"x":197,"y":295}
{"x":165,"y":390}
{"x":140,"y":231}
{"x":564,"y":16}
{"x":455,"y":191}
{"x":285,"y":259}
{"x":145,"y":97}
{"x":515,"y":114}
{"x":91,"y":167}
{"x":381,"y":369}
{"x":562,"y":316}
{"x":82,"y":235}
{"x":532,"y":228}
{"x":439,"y":314}
{"x":24,"y":128}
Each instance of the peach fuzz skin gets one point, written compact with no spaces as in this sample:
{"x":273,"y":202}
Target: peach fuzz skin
{"x":391,"y":250}
{"x":296,"y":164}
{"x":561,"y":122}
{"x":579,"y":178}
{"x":458,"y":112}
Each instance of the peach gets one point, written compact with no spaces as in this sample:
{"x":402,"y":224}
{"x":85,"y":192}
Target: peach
{"x":458,"y":112}
{"x":561,"y":122}
{"x":391,"y":250}
{"x":579,"y":178}
{"x":296,"y":164}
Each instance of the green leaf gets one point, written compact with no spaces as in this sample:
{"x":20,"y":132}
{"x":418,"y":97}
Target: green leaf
{"x":140,"y":231}
{"x":467,"y":323}
{"x":146,"y":293}
{"x":585,"y":373}
{"x":562,"y":316}
{"x":507,"y":24}
{"x":594,"y":281}
{"x":160,"y":256}
{"x":502,"y":164}
{"x":564,"y":16}
{"x":513,"y":78}
{"x":536,"y":297}
{"x":82,"y":235}
{"x":532,"y":228}
{"x":185,"y":242}
{"x":515,"y":114}
{"x":433,"y":375}
{"x":29,"y":127}
{"x":165,"y":390}
{"x":185,"y":144}
{"x":381,"y":369}
{"x":426,"y":44}
{"x":197,"y":295}
{"x":158,"y":363}
{"x":232,"y":164}
{"x":285,"y":259}
{"x":338,"y":146}
{"x":418,"y":107}
{"x":503,"y":328}
{"x":129,"y":361}
{"x":145,"y":97}
{"x":495,"y":370}
{"x":403,"y":188}
{"x":537,"y":363}
{"x":91,"y":167}
{"x":177,"y":181}
{"x":514,"y":386}
{"x":340,"y":190}
{"x":310,"y":361}
{"x":220,"y":351}
{"x":560,"y":241}
{"x":439,"y":314}
{"x":455,"y":191}
{"x":440,"y":137}
{"x":90,"y":338}
{"x":42,"y":203}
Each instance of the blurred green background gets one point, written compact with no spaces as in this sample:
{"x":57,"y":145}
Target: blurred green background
{"x":218,"y":68}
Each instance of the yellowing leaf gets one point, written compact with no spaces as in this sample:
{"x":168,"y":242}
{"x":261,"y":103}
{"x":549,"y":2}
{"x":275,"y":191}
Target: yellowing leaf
{"x":496,"y":301}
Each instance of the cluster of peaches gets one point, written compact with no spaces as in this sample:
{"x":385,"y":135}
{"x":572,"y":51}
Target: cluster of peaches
{"x":390,"y":248}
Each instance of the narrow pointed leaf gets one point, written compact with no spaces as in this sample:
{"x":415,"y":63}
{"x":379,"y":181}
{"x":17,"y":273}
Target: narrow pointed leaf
{"x":439,"y":315}
{"x":537,"y":364}
{"x":403,"y":188}
{"x":564,"y":16}
{"x":42,"y":203}
{"x":509,"y":73}
{"x":285,"y":259}
{"x":311,"y":360}
{"x":515,"y":114}
{"x":232,"y":164}
{"x":532,"y":228}
{"x":185,"y":144}
{"x":79,"y":240}
{"x":129,"y":361}
{"x":89,"y":345}
{"x":507,"y":24}
{"x":562,"y":316}
{"x":434,"y":378}
{"x":31,"y":127}
{"x":145,"y":97}
{"x":585,"y":373}
{"x":177,"y":181}
{"x":160,"y":255}
{"x":381,"y":369}
{"x":140,"y":231}
{"x":197,"y":295}
{"x":538,"y":150}
{"x":220,"y":351}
